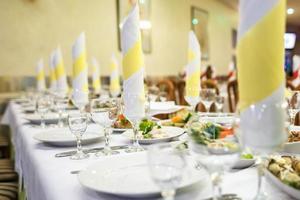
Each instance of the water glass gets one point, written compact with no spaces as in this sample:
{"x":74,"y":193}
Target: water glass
{"x":207,"y":97}
{"x":77,"y":126}
{"x":43,"y":106}
{"x":219,"y":102}
{"x":61,"y":103}
{"x":212,"y":152}
{"x":105,"y":117}
{"x":166,"y":166}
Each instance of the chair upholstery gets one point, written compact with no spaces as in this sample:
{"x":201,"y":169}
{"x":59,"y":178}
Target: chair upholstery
{"x":233,"y":98}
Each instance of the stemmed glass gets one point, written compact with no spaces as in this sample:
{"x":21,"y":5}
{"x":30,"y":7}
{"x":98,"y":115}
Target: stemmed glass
{"x":294,"y":106}
{"x":80,"y":99}
{"x":43,"y":106}
{"x":105,"y":117}
{"x":219,"y":102}
{"x":134,"y":113}
{"x":61,"y":103}
{"x":192,"y":100}
{"x":78,"y":125}
{"x":207,"y":97}
{"x":263,"y":131}
{"x":212,"y":152}
{"x":166,"y":165}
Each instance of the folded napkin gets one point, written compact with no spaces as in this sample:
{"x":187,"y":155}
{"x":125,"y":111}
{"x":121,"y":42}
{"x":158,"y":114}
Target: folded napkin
{"x":133,"y":67}
{"x":40,"y":76}
{"x":192,"y":86}
{"x":114,"y":86}
{"x":52,"y":76}
{"x":80,"y":73}
{"x":96,"y":82}
{"x":61,"y":79}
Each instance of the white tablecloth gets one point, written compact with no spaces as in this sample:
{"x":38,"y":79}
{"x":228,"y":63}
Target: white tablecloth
{"x":49,"y":178}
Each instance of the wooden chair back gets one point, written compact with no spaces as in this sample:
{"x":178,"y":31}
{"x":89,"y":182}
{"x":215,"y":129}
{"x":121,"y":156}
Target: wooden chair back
{"x":233,"y":98}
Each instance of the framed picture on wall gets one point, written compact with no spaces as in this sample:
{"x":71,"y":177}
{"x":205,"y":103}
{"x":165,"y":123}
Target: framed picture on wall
{"x":123,"y":8}
{"x":199,"y":23}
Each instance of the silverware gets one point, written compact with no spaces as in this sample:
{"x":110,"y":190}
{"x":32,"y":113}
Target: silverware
{"x":91,"y":150}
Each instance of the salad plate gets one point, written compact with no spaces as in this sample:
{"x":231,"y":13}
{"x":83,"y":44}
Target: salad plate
{"x":128,"y":176}
{"x":63,"y":137}
{"x":163,"y":134}
{"x":163,"y":107}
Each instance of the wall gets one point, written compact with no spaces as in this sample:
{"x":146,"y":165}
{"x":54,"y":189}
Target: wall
{"x":30,"y":29}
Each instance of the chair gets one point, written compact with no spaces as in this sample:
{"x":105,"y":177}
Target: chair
{"x":233,"y":98}
{"x":289,"y":85}
{"x":167,"y":86}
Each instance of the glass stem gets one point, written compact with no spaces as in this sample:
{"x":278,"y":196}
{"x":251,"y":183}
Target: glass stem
{"x":60,"y":123}
{"x":107,"y":138}
{"x":79,"y":146}
{"x":135,"y":134}
{"x":43,"y":124}
{"x":261,"y":175}
{"x":216,"y":186}
{"x":168,"y":194}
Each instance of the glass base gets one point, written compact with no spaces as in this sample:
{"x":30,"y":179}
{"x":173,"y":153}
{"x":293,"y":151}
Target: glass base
{"x":261,"y":196}
{"x":79,"y":156}
{"x":134,"y":148}
{"x":107,"y":152}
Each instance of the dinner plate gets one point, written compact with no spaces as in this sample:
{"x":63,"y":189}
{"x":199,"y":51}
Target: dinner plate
{"x":171,"y":131}
{"x":63,"y":137}
{"x":128,"y":176}
{"x":119,"y":130}
{"x":225,"y":119}
{"x":50,"y":118}
{"x":284,"y":187}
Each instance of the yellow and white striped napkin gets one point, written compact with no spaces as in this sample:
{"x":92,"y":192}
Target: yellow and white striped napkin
{"x":52,"y":76}
{"x":60,"y":74}
{"x":260,"y":58}
{"x":40,"y":76}
{"x":114,"y":86}
{"x":133,"y":67}
{"x":192,"y":86}
{"x":96,"y":81}
{"x":80,"y":71}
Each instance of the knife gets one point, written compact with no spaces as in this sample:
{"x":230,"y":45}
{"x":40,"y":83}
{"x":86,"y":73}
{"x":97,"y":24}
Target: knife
{"x":90,"y":150}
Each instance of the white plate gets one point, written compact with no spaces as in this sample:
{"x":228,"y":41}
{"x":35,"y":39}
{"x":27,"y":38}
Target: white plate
{"x":288,"y":189}
{"x":171,"y":131}
{"x":163,"y":107}
{"x":128,"y":176}
{"x":63,"y":137}
{"x":243,"y":163}
{"x":50,"y":118}
{"x":222,"y":120}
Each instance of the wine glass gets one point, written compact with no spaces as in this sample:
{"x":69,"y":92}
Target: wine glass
{"x":105,"y":116}
{"x":61,"y":103}
{"x":192,"y":100}
{"x":166,"y":166}
{"x":219,"y":102}
{"x":262,"y":130}
{"x":213,"y":151}
{"x":134,"y":111}
{"x":207,"y":97}
{"x":80,"y":99}
{"x":294,"y":106}
{"x":78,"y":125}
{"x":43,"y":106}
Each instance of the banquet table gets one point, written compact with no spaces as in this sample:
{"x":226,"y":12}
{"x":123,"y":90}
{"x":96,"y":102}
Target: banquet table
{"x":47,"y":177}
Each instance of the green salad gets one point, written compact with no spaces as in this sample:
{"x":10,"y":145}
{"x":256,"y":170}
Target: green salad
{"x":146,"y":126}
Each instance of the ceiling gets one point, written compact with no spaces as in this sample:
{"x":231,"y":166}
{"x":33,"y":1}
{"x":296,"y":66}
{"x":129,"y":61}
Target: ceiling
{"x":293,"y":19}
